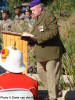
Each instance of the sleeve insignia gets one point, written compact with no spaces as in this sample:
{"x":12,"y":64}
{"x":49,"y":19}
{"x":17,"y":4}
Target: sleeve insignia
{"x":52,"y":19}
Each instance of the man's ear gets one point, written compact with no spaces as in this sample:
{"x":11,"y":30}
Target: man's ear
{"x":40,"y":7}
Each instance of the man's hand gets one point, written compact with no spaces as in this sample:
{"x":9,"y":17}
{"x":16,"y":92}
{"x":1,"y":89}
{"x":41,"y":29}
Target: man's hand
{"x":29,"y":37}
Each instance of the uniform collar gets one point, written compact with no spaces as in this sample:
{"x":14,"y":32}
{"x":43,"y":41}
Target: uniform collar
{"x":39,"y":18}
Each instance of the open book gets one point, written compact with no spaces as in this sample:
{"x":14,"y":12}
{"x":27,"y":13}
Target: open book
{"x":29,"y":37}
{"x":25,"y":34}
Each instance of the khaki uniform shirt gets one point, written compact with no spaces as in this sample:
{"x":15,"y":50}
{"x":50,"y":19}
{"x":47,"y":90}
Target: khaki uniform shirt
{"x":49,"y":45}
{"x":21,"y":26}
{"x":18,"y":17}
{"x":6,"y":25}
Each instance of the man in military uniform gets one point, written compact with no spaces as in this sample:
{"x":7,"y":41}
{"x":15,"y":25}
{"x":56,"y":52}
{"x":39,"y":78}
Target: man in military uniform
{"x":28,"y":13}
{"x":48,"y":47}
{"x":6,"y":22}
{"x":5,"y":14}
{"x":18,"y":12}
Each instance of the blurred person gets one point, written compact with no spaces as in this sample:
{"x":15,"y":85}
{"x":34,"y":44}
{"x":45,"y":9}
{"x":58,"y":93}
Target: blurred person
{"x":5,"y":15}
{"x":18,"y":12}
{"x":11,"y":59}
{"x":6,"y":21}
{"x":32,"y":20}
{"x":28,"y":13}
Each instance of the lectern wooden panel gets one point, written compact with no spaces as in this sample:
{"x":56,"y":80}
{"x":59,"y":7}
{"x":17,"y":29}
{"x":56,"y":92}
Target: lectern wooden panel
{"x":9,"y":38}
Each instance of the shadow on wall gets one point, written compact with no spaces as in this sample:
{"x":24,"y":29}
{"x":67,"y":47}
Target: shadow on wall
{"x":70,"y":95}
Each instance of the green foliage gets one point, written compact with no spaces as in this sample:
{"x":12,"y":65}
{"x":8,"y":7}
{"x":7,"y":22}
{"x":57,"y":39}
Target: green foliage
{"x":69,"y":58}
{"x":62,"y":7}
{"x":20,"y":26}
{"x":45,"y":2}
{"x":25,"y":0}
{"x":62,"y":83}
{"x":68,"y":38}
{"x":31,"y":60}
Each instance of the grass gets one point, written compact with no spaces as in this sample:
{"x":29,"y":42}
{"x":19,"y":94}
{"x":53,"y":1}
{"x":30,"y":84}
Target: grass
{"x":69,"y":58}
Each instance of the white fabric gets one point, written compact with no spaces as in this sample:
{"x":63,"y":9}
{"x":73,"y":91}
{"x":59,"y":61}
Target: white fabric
{"x":16,"y":94}
{"x":14,"y":61}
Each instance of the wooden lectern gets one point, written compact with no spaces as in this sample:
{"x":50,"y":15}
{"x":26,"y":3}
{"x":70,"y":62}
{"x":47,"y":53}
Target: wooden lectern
{"x":9,"y":38}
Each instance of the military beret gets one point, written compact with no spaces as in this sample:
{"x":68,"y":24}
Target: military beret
{"x":17,"y":6}
{"x":5,"y":11}
{"x":28,"y":10}
{"x":34,"y":3}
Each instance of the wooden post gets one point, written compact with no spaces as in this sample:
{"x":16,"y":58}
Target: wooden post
{"x":9,"y":38}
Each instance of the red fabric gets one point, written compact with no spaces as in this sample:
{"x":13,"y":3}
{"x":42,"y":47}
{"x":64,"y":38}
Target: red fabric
{"x":13,"y":80}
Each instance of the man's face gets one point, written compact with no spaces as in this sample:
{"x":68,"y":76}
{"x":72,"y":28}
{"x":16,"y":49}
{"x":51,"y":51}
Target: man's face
{"x":17,"y":11}
{"x":4,"y":15}
{"x":27,"y":13}
{"x":36,"y":10}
